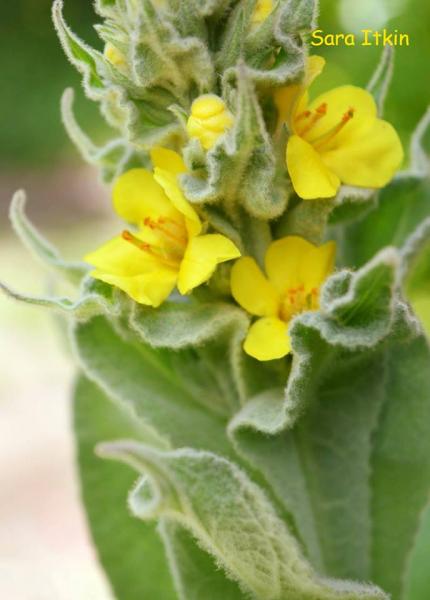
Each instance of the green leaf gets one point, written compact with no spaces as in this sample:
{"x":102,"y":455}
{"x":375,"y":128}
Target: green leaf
{"x":418,"y":577}
{"x":320,"y":470}
{"x":401,"y":463}
{"x":96,"y":299}
{"x":39,"y":247}
{"x":130,"y":551}
{"x":238,"y":527}
{"x":109,"y":158}
{"x":86,"y":60}
{"x":149,"y":382}
{"x":182,"y":324}
{"x":195,"y":574}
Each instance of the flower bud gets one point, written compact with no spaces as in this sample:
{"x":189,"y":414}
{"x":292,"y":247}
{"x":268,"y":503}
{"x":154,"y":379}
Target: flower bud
{"x":210,"y":118}
{"x":262,"y":10}
{"x":114,"y":56}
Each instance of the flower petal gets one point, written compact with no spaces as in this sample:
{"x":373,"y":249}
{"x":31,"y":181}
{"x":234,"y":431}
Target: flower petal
{"x":370,"y":159}
{"x":150,"y":288}
{"x":167,"y":160}
{"x":311,"y":179}
{"x":268,"y":339}
{"x":201,"y":258}
{"x":293,"y":261}
{"x":252,"y":290}
{"x":171,"y":188}
{"x":339,"y":101}
{"x":121,"y":258}
{"x":293,"y":99}
{"x":136,"y":195}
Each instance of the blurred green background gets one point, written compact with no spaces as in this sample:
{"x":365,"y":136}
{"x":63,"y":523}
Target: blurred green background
{"x":69,"y":204}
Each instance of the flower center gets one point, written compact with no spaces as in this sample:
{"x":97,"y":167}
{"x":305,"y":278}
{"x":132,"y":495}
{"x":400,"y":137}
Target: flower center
{"x":297,"y":300}
{"x":163,"y":253}
{"x":311,"y":118}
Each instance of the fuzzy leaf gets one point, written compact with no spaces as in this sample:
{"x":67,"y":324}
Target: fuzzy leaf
{"x":194,"y":571}
{"x":150,"y":383}
{"x":86,"y":60}
{"x":418,"y":578}
{"x":401,"y":463}
{"x":130,"y":551}
{"x":320,"y":470}
{"x":96,"y":299}
{"x":110,"y":158}
{"x":182,"y":324}
{"x":239,"y":527}
{"x":39,"y":247}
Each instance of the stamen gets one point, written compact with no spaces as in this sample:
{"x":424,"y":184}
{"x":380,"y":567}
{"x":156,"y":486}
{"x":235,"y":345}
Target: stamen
{"x":304,"y":115}
{"x":327,"y":137}
{"x":320,"y":112}
{"x":161,"y":223}
{"x":156,"y":253}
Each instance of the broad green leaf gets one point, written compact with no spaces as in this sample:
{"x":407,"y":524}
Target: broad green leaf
{"x":216,"y":329}
{"x":195,"y":574}
{"x":417,"y":584}
{"x":39,"y":247}
{"x":149,"y":382}
{"x":182,"y":324}
{"x":401,"y":463}
{"x":231,"y":518}
{"x":320,"y":470}
{"x":130,"y":551}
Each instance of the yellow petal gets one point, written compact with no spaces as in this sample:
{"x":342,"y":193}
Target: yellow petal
{"x":167,"y":160}
{"x":293,"y":261}
{"x":171,"y":188}
{"x":268,"y":339}
{"x":136,"y":195}
{"x":368,"y":159}
{"x":150,"y":288}
{"x":201,"y":258}
{"x":262,"y":10}
{"x":119,"y":257}
{"x":314,"y":67}
{"x":311,"y":179}
{"x":252,"y":290}
{"x":293,"y":99}
{"x":339,"y":101}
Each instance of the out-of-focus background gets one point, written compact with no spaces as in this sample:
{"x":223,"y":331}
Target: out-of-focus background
{"x":45,"y":550}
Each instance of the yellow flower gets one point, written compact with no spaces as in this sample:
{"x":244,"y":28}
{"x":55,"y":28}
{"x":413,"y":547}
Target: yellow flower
{"x":262,"y":10}
{"x":337,"y":138}
{"x":209,"y":119}
{"x":167,"y":247}
{"x":295,"y":269}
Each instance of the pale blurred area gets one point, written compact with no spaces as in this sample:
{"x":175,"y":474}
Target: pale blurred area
{"x":45,"y":547}
{"x":45,"y":550}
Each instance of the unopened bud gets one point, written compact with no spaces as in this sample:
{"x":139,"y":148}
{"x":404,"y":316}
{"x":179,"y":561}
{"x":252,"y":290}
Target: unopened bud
{"x":114,"y":56}
{"x":262,"y":10}
{"x":210,"y":119}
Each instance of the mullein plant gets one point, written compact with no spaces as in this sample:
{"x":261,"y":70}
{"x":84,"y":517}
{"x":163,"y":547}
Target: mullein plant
{"x":252,"y":404}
